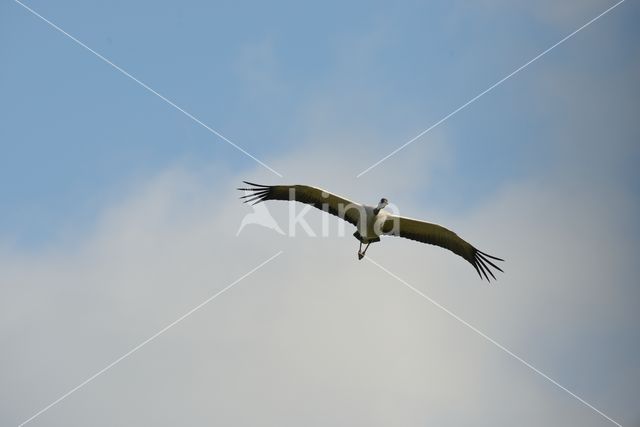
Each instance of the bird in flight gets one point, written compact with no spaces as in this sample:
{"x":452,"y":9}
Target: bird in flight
{"x":371,"y":222}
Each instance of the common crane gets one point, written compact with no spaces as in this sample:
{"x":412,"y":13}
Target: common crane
{"x":371,"y":222}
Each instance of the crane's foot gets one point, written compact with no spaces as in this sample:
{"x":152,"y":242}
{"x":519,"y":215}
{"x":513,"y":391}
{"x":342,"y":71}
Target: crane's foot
{"x":361,"y":252}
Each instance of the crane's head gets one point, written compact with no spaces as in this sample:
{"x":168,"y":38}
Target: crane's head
{"x":383,"y":202}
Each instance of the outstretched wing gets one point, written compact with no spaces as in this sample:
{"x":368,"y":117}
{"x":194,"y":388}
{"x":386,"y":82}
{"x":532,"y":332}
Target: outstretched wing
{"x":435,"y":234}
{"x":316,"y":197}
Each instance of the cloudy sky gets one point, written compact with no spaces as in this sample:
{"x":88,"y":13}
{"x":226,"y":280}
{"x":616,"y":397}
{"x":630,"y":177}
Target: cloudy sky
{"x":119,"y":214}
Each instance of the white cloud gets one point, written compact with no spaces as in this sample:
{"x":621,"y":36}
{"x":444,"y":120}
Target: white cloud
{"x":316,"y":336}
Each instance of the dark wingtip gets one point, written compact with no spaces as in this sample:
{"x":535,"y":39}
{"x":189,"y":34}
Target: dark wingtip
{"x":255,"y":185}
{"x":476,"y":267}
{"x":482,"y":263}
{"x":256,"y":198}
{"x":484,"y":270}
{"x":491,"y":256}
{"x":257,"y":193}
{"x":251,"y":195}
{"x":483,"y":258}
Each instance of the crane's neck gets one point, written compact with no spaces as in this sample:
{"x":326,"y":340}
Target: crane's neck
{"x":378,"y":208}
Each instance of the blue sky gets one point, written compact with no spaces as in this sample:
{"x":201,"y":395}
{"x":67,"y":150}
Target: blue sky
{"x":76,"y":132}
{"x":118,"y":213}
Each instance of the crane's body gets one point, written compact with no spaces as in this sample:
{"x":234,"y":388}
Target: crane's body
{"x":369,"y":227}
{"x":370,"y":224}
{"x":373,"y":222}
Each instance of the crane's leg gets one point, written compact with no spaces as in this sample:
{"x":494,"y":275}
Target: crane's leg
{"x":361,"y":252}
{"x":365,"y":249}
